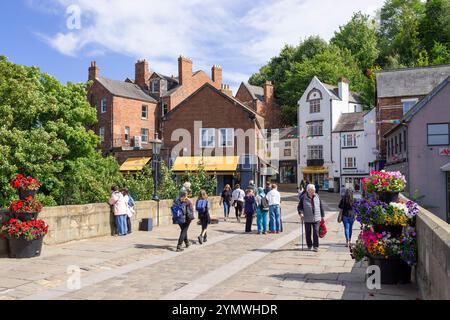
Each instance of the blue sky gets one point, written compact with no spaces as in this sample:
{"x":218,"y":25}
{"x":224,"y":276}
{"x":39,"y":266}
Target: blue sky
{"x":240,"y":36}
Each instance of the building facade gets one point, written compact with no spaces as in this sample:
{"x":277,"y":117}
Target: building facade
{"x":283,"y":150}
{"x":319,"y":110}
{"x":419,"y":147}
{"x":397,"y":92}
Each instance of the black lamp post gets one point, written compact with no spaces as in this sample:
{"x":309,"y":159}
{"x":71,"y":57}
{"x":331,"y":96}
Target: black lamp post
{"x":156,"y":150}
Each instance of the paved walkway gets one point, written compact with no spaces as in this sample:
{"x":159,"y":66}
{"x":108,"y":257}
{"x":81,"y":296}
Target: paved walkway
{"x":231,"y":265}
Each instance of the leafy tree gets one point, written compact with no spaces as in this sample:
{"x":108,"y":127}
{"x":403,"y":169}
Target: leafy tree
{"x":140,"y":184}
{"x":360,"y":37}
{"x":440,"y":54}
{"x":168,"y":187}
{"x":435,"y":25}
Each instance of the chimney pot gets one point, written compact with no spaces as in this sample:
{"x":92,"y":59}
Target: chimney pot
{"x":94,"y":71}
{"x":142,"y":73}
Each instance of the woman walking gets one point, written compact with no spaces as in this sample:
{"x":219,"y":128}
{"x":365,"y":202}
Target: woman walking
{"x":203,"y":214}
{"x":262,"y":211}
{"x":187,"y":211}
{"x":249,"y":209}
{"x":238,"y":201}
{"x":225,"y":199}
{"x":348,"y":218}
{"x":117,"y":200}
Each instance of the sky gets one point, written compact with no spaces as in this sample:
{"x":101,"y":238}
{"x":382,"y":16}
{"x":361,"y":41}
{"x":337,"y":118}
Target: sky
{"x":61,"y":37}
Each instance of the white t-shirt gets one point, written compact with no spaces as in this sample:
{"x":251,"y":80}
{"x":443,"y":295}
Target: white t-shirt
{"x":274,"y":197}
{"x":238,"y":195}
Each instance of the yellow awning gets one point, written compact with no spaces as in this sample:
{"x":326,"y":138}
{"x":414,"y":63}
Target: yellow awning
{"x":209,"y":164}
{"x":134,"y":164}
{"x":315,"y":170}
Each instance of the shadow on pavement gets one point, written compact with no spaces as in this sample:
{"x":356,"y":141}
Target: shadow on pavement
{"x":152,"y":246}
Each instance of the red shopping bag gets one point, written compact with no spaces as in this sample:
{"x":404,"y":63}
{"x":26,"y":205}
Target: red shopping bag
{"x":322,"y":229}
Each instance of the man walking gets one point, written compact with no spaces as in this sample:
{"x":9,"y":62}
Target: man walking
{"x":311,"y":212}
{"x":274,"y":199}
{"x":268,"y":187}
{"x":238,"y":201}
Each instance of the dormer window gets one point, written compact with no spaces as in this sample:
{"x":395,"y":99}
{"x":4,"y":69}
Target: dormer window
{"x":155,"y":85}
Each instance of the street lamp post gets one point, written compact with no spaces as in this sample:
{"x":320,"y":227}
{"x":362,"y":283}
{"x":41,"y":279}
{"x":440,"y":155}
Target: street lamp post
{"x":156,"y":150}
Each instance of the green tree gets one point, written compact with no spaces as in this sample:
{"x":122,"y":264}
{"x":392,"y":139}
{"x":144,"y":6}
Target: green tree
{"x":440,"y":54}
{"x":140,"y":184}
{"x":435,"y":25}
{"x":43,"y":134}
{"x":360,"y":37}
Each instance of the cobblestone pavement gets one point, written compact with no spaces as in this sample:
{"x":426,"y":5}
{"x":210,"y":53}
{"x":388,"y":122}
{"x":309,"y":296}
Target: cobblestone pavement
{"x":231,"y":265}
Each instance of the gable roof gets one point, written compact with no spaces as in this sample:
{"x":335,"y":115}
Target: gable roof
{"x":353,"y":121}
{"x":421,"y":104}
{"x":125,"y":89}
{"x":258,"y":118}
{"x":255,"y":91}
{"x":162,"y":76}
{"x":334,"y":90}
{"x":411,"y":81}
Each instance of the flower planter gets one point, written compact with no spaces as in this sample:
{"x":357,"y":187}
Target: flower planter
{"x":393,"y":270}
{"x":21,"y":248}
{"x":388,"y":196}
{"x":25,"y":216}
{"x":395,"y":231}
{"x":24,"y":193}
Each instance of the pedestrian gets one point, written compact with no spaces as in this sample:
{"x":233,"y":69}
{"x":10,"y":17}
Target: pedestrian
{"x":251,"y":186}
{"x":130,"y":207}
{"x":302,"y":185}
{"x":202,"y":208}
{"x":238,"y":201}
{"x":225,"y":199}
{"x":262,"y":211}
{"x":274,"y":199}
{"x":317,"y":186}
{"x":120,"y":210}
{"x":249,"y":209}
{"x":342,"y":191}
{"x":311,"y":212}
{"x":187,"y":211}
{"x":268,"y":187}
{"x":348,"y":218}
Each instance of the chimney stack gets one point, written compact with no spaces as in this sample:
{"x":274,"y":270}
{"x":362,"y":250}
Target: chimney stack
{"x":225,"y":88}
{"x":142,"y":74}
{"x":94,"y":71}
{"x":268,"y":93}
{"x":343,"y":89}
{"x":216,"y":76}
{"x":184,"y":70}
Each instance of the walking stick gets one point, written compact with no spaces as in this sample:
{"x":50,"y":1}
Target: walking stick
{"x":302,"y":234}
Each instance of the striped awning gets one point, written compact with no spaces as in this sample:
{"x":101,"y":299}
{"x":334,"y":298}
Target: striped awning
{"x":209,"y":164}
{"x":315,"y":170}
{"x":134,"y":164}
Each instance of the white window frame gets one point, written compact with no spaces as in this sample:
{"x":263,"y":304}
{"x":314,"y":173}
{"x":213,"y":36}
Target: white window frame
{"x":287,"y":144}
{"x":404,"y":101}
{"x":442,"y":134}
{"x":154,"y":82}
{"x":229,"y":134}
{"x":101,"y":133}
{"x":103,"y":105}
{"x":144,"y":108}
{"x":350,"y":162}
{"x":127,"y":134}
{"x":314,"y":106}
{"x":211,"y":133}
{"x":352,"y":140}
{"x":315,"y":128}
{"x":143,"y":131}
{"x":315,"y":152}
{"x":287,"y":155}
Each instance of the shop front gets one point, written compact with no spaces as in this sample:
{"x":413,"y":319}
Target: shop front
{"x":288,"y":172}
{"x":315,"y":175}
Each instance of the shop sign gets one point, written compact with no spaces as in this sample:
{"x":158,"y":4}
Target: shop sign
{"x":444,"y":151}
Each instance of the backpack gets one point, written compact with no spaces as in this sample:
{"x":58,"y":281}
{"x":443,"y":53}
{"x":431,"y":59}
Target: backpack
{"x":201,"y":206}
{"x":177,"y":213}
{"x":264,"y":206}
{"x":131,"y":202}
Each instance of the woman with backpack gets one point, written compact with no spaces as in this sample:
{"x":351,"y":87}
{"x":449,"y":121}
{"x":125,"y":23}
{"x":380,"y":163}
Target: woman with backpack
{"x":347,"y":216}
{"x":184,"y":217}
{"x":203,"y":214}
{"x":262,"y":211}
{"x":249,"y":209}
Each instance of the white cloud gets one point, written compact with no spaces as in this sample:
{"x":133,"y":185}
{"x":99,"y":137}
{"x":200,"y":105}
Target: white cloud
{"x":237,"y":35}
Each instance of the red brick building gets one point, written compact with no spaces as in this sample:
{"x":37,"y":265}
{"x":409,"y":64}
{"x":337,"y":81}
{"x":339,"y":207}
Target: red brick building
{"x":129,"y":112}
{"x":262,"y":101}
{"x":397,"y":92}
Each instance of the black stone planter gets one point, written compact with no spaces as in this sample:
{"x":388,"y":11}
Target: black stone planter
{"x":21,"y":248}
{"x":395,"y":231}
{"x":388,"y":196}
{"x":393,"y":270}
{"x":26,"y":216}
{"x":24,"y":193}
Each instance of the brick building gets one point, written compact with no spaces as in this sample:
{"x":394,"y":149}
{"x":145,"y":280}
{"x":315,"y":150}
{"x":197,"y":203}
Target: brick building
{"x":213,"y":129}
{"x":129,"y":112}
{"x":397,"y":92}
{"x":262,"y":101}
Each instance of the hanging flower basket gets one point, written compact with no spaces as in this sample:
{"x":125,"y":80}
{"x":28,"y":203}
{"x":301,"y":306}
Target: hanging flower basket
{"x":25,"y":210}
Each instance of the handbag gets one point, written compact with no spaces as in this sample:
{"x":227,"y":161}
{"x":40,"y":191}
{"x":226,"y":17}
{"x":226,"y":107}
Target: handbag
{"x":322,"y":229}
{"x":339,"y":218}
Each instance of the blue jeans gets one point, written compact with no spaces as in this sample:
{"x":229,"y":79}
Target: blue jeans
{"x":261,"y":219}
{"x":121,"y":223}
{"x":348,"y":227}
{"x":226,"y":209}
{"x":275,"y":223}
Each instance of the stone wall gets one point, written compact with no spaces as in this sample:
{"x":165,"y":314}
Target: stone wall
{"x":433,"y":268}
{"x":71,"y":223}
